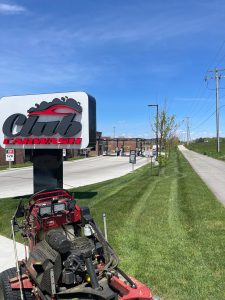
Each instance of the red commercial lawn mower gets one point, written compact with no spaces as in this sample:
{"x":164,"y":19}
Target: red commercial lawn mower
{"x":69,"y":258}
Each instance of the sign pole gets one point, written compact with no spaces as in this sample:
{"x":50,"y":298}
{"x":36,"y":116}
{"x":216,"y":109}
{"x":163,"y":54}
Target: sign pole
{"x":132,"y":159}
{"x":9,"y":156}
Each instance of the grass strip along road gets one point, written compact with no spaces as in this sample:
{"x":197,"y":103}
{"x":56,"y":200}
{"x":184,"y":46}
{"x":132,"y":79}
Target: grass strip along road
{"x":169,"y":231}
{"x":209,"y":148}
{"x":22,"y":165}
{"x":29,"y":164}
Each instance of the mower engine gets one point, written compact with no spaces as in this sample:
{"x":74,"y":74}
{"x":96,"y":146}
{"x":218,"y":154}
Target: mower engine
{"x":69,"y":257}
{"x":73,"y":261}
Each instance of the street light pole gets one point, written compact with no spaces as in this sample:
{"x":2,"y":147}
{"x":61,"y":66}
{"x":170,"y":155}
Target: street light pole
{"x":157,"y":127}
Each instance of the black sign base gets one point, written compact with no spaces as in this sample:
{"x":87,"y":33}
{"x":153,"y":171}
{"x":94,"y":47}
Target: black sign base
{"x":47,"y":169}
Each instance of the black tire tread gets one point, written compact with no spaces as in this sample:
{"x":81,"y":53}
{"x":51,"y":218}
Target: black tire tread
{"x":8,"y":293}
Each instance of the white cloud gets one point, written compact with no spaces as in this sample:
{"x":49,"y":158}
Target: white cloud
{"x":53,"y":74}
{"x":11,"y":9}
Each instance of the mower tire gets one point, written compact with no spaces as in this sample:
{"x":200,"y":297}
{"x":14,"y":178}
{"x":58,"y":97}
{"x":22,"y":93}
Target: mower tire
{"x":6,"y":292}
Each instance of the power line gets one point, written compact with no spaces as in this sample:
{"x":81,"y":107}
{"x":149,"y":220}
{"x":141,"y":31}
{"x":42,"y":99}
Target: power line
{"x":200,"y":124}
{"x":218,"y":52}
{"x":210,"y":116}
{"x":203,"y":110}
{"x":221,"y":59}
{"x":197,"y":106}
{"x":213,"y":61}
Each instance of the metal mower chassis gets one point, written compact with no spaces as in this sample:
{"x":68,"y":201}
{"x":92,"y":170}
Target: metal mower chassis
{"x":69,"y":257}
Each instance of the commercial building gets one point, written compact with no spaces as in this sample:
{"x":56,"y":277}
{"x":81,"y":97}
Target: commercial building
{"x":104,"y":146}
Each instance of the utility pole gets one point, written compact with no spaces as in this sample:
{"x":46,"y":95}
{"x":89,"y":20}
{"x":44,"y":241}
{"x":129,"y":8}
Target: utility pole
{"x":188,"y":129}
{"x":217,"y":77}
{"x":217,"y":112}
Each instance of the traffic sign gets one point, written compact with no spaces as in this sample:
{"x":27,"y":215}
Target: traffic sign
{"x":133,"y":156}
{"x":9,"y":154}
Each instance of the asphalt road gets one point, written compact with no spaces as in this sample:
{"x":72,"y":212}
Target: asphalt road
{"x":19,"y":182}
{"x":212,"y":171}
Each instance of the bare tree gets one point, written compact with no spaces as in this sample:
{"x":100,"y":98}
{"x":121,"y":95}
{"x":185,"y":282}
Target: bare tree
{"x":167,"y":127}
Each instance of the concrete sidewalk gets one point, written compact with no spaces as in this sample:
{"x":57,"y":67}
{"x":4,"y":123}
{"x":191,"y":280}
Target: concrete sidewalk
{"x":7,"y":257}
{"x":211,"y":171}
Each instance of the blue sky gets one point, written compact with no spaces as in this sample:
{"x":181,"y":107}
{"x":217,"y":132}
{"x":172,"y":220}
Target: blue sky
{"x":127,"y":54}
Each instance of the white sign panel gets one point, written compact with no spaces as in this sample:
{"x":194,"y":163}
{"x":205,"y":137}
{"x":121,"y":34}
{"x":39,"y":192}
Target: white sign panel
{"x":60,"y":120}
{"x":64,"y":152}
{"x":9,"y":154}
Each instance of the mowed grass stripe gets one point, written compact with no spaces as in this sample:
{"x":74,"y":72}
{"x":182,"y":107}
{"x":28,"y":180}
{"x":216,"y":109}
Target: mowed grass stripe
{"x":183,"y":251}
{"x":156,"y":242}
{"x":169,"y":231}
{"x":109,"y":188}
{"x":128,"y":240}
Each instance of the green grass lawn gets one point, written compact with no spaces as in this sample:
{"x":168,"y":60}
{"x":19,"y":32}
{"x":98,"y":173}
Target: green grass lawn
{"x":76,"y":158}
{"x":28,"y":164}
{"x":169,"y":231}
{"x":21,"y":165}
{"x":209,"y":148}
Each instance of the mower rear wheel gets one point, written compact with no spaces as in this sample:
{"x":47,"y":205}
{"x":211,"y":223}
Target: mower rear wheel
{"x":6,"y":292}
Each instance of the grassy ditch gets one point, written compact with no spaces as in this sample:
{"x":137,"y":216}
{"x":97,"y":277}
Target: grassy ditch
{"x":169,"y":231}
{"x":209,"y":147}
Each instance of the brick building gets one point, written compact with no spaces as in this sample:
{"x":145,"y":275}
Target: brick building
{"x":104,"y":146}
{"x":108,"y":145}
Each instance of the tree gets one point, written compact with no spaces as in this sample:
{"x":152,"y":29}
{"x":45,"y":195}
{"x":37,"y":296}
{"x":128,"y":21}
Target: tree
{"x":167,"y":127}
